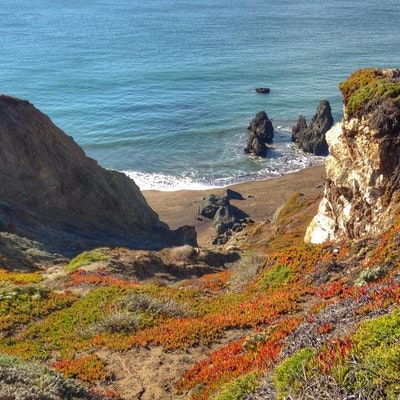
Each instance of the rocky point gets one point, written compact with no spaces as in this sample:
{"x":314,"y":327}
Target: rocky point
{"x":363,"y":168}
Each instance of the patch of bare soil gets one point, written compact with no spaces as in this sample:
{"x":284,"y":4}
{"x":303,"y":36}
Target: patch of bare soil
{"x":152,"y":373}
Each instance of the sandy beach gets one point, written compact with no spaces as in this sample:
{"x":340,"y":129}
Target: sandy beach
{"x":260,"y":199}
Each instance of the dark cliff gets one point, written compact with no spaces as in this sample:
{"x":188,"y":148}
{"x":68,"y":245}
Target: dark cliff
{"x":52,"y":192}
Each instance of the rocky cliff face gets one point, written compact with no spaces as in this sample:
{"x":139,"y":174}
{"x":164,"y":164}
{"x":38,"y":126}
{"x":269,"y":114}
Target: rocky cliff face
{"x":363,"y":168}
{"x":51,"y":192}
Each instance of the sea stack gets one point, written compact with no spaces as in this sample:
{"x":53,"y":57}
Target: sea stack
{"x":260,"y":133}
{"x":311,"y":138}
{"x":363,"y":168}
{"x":51,"y":192}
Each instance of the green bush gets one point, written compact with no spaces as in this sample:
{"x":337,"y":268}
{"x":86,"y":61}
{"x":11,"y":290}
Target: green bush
{"x":239,"y":388}
{"x":59,"y":330}
{"x":374,"y":368}
{"x":86,"y":258}
{"x":287,"y":373}
{"x":369,"y":275}
{"x":368,"y":86}
{"x":383,"y":330}
{"x":276,"y":277}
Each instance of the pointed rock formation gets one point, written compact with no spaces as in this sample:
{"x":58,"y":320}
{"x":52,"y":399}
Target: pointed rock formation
{"x":51,"y":192}
{"x":363,"y":169}
{"x":261,"y":132}
{"x":311,"y":138}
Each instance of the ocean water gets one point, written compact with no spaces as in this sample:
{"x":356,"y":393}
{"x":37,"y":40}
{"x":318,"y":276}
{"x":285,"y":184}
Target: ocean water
{"x":163,"y":89}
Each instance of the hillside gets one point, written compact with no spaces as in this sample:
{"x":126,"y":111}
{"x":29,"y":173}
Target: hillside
{"x":266,"y":316}
{"x":51,"y":192}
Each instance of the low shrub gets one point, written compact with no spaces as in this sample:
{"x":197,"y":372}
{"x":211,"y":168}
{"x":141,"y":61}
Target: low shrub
{"x":290,"y":370}
{"x":20,"y":278}
{"x":374,"y":369}
{"x":19,"y":380}
{"x":364,"y":365}
{"x":142,"y":302}
{"x":369,"y":275}
{"x":239,"y":389}
{"x":122,"y":321}
{"x":86,"y":258}
{"x":277,"y":276}
{"x":18,"y":305}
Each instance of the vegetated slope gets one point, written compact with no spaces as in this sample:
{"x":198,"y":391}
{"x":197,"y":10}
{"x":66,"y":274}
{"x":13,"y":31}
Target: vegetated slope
{"x":287,"y":319}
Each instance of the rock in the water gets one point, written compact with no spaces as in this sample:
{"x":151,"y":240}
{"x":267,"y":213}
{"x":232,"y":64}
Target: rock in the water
{"x":263,"y":90}
{"x":301,"y":126}
{"x":211,"y":204}
{"x":363,"y":169}
{"x":261,"y":133}
{"x":311,"y":138}
{"x":51,"y":192}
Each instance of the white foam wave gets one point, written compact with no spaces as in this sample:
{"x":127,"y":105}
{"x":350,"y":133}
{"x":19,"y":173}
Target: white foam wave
{"x":165,"y":183}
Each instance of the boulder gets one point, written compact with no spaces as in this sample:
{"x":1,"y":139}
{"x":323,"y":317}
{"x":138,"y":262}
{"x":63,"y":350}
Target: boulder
{"x":51,"y":192}
{"x":227,"y":220}
{"x":263,"y":90}
{"x":186,"y":234}
{"x":211,"y":204}
{"x":260,"y":133}
{"x":233,"y":195}
{"x":312,"y":138}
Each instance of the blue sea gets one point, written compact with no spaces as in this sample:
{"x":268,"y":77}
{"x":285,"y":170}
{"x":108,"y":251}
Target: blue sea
{"x":164,"y":89}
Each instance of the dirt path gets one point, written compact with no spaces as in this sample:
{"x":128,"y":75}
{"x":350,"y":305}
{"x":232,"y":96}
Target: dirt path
{"x":152,"y":373}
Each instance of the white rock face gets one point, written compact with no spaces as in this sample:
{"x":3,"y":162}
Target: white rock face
{"x":362,"y":181}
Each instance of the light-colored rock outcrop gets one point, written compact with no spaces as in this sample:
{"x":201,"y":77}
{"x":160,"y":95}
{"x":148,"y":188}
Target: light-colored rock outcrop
{"x":363,"y":168}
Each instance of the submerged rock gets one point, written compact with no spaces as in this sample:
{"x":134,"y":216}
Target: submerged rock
{"x":51,"y":192}
{"x":311,"y":138}
{"x":263,"y":90}
{"x":363,"y":169}
{"x":260,"y":133}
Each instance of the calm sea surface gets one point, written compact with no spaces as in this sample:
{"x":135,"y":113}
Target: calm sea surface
{"x":163,"y":89}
